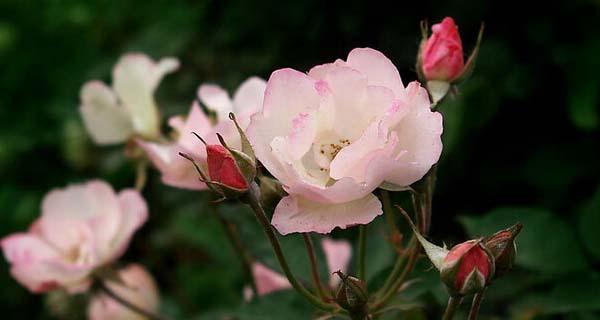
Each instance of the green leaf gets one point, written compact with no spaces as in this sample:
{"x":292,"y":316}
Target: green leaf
{"x":574,"y":294}
{"x":589,"y":225}
{"x":546,"y":244}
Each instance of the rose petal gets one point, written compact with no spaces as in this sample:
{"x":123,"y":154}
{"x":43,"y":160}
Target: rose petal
{"x":380,"y":71}
{"x":216,"y":99}
{"x":248,"y":99}
{"x":267,"y":280}
{"x":104,"y":119}
{"x":294,"y":214}
{"x":337,"y":255}
{"x":135,"y":78}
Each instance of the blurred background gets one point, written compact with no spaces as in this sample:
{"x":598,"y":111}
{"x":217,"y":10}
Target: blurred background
{"x":521,"y":139}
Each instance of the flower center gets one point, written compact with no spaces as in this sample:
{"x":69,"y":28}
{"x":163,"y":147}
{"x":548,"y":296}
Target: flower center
{"x":326,"y":147}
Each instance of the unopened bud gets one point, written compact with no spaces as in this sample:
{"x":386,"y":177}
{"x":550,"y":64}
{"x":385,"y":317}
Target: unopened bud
{"x":467,"y":268}
{"x":503,"y":247}
{"x":352,"y":294}
{"x":223,"y":169}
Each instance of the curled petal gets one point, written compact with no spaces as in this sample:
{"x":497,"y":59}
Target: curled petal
{"x":294,"y":214}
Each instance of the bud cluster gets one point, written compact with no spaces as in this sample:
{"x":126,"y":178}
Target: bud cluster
{"x":470,"y":266}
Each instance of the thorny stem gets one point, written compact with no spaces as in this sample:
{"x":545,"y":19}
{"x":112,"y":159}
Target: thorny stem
{"x":238,"y":246}
{"x":253,"y":199}
{"x":362,"y":251}
{"x":313,"y":266}
{"x":453,"y":304}
{"x":126,"y":303}
{"x":141,"y":174}
{"x":476,"y":304}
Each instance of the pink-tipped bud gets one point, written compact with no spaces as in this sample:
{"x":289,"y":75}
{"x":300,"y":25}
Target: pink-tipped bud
{"x":467,"y":268}
{"x":222,"y":168}
{"x":442,"y":54}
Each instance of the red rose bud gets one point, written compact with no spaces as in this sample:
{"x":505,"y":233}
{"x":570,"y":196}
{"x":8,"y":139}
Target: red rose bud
{"x":223,"y":169}
{"x":504,"y":249}
{"x":440,"y":61}
{"x":467,"y":268}
{"x":442,"y":54}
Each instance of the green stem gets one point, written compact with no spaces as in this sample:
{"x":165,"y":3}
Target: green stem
{"x":253,"y":199}
{"x":238,"y":246}
{"x":141,"y":174}
{"x":362,"y":244}
{"x":397,"y":270}
{"x":476,"y":304}
{"x":393,"y":289}
{"x":453,"y":304}
{"x":388,"y":211}
{"x":126,"y":303}
{"x":313,"y":266}
{"x":424,"y":199}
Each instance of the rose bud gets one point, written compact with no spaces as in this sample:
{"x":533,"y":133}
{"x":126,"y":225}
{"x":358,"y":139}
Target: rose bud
{"x":223,"y":169}
{"x":442,"y":54}
{"x":504,"y":249}
{"x":352,"y":294}
{"x":467,"y":268}
{"x":230,"y":171}
{"x":440,"y":61}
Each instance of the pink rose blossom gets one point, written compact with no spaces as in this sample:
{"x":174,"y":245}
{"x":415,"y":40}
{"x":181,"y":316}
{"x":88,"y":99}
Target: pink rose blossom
{"x":178,"y":172}
{"x":337,"y":255}
{"x":334,"y":135}
{"x":442,"y":54}
{"x":82,"y":227}
{"x":138,"y":288}
{"x":113,"y":115}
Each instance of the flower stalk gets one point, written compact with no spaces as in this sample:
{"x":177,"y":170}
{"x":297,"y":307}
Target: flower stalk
{"x":252,"y":197}
{"x":314,"y":270}
{"x":451,"y":307}
{"x":477,"y":298}
{"x":362,"y":251}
